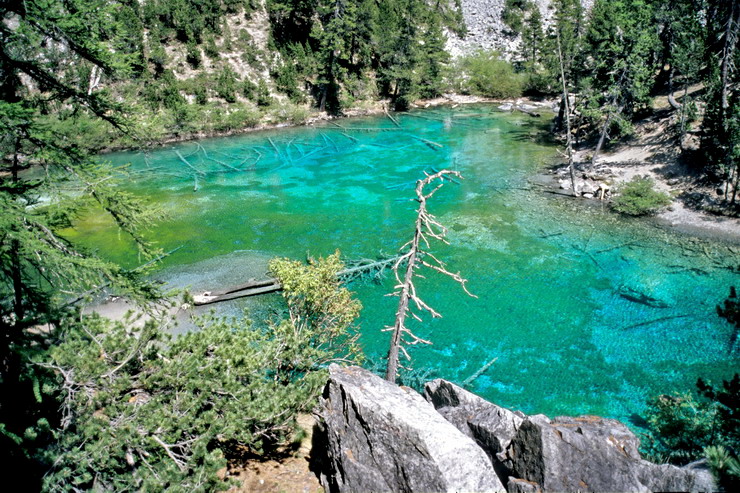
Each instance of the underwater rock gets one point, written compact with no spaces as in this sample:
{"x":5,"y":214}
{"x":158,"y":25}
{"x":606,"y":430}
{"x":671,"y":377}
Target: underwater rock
{"x":381,"y":437}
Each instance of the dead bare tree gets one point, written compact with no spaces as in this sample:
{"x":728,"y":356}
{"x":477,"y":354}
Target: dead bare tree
{"x":415,"y":255}
{"x":568,"y":134}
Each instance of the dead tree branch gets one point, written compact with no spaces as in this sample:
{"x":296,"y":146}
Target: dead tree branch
{"x":416,"y":255}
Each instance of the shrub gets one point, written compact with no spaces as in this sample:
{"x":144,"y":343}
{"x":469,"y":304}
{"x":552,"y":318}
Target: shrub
{"x":484,"y":73}
{"x":226,"y":84}
{"x":638,"y":198}
{"x":141,"y":412}
{"x":289,"y":112}
{"x":683,"y":428}
{"x":192,"y":55}
{"x":239,"y":117}
{"x":249,"y":89}
{"x":286,"y":81}
{"x":680,"y":428}
{"x":210,"y":48}
{"x":263,"y":94}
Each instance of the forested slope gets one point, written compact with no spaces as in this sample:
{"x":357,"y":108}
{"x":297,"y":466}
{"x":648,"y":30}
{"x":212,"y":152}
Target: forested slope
{"x":88,"y":403}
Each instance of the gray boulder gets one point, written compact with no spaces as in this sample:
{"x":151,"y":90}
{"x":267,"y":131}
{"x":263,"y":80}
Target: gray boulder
{"x":590,"y":453}
{"x":492,"y":427}
{"x":381,"y":437}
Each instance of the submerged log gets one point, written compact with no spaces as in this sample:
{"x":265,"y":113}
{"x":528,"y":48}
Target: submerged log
{"x":395,"y":122}
{"x":431,"y":144}
{"x":639,"y":297}
{"x":480,"y":372}
{"x":182,"y":158}
{"x":525,"y":110}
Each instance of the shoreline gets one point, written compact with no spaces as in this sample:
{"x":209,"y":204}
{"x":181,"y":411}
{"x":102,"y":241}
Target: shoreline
{"x":625,"y":161}
{"x":378,"y":108}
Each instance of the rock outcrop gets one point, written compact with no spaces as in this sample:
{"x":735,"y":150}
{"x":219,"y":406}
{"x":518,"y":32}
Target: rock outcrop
{"x":492,"y":427}
{"x":587,"y":453}
{"x":381,"y":437}
{"x":486,"y":30}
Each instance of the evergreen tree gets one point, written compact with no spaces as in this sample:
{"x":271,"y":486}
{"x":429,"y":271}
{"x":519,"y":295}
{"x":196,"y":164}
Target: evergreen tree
{"x":721,"y":127}
{"x":623,"y":48}
{"x":39,"y":42}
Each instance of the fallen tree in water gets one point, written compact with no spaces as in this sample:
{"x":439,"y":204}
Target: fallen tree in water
{"x":254,"y":287}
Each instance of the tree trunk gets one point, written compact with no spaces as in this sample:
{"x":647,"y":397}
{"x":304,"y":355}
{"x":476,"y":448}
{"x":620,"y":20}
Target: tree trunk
{"x":15,"y":254}
{"x":391,"y":369}
{"x":727,"y":53}
{"x":725,"y":83}
{"x":566,"y":104}
{"x":600,"y":144}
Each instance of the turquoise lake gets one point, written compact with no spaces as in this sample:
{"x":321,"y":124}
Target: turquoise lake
{"x":557,"y":280}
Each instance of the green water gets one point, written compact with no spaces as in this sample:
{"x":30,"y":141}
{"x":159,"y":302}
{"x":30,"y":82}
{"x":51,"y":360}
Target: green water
{"x":547,"y":270}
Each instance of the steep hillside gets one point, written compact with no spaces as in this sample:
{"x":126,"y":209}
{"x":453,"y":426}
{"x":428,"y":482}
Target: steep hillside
{"x":486,"y":28}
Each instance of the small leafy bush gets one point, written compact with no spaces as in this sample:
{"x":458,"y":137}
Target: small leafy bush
{"x":225,"y":84}
{"x":639,"y":198}
{"x":263,"y":94}
{"x":485,"y":74}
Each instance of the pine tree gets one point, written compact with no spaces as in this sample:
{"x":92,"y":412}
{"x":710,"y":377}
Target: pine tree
{"x":48,"y":175}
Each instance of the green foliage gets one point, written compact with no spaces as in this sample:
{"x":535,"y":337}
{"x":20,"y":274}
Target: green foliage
{"x":724,"y":467}
{"x":638,"y":197}
{"x":225,"y":84}
{"x":513,"y":14}
{"x":40,"y":126}
{"x":288,"y":112}
{"x":622,"y":45}
{"x":452,"y":17}
{"x":486,"y":74}
{"x":164,"y":419}
{"x":262,"y":96}
{"x":146,"y":413}
{"x":190,"y":20}
{"x":193,"y":56}
{"x":210,"y":48}
{"x":286,"y":81}
{"x":319,"y":308}
{"x":681,"y":427}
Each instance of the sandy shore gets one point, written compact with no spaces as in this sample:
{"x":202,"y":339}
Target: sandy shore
{"x":653,"y":151}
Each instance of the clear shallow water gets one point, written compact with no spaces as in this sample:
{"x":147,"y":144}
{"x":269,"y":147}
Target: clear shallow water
{"x":550,"y":274}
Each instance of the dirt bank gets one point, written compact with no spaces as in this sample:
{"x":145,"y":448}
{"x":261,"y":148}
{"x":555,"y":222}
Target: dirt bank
{"x":654,"y":150}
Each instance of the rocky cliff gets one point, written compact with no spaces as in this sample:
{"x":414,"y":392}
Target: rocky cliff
{"x":486,"y":30}
{"x":379,"y":437}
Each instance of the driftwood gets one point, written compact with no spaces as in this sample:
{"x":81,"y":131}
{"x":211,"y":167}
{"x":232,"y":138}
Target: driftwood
{"x":270,"y":285}
{"x":672,"y":101}
{"x":369,"y":129}
{"x":182,"y":158}
{"x":480,"y":372}
{"x":526,"y":111}
{"x":395,"y":122}
{"x":656,"y":320}
{"x":451,"y":119}
{"x":642,"y":298}
{"x":629,"y":243}
{"x":429,"y":143}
